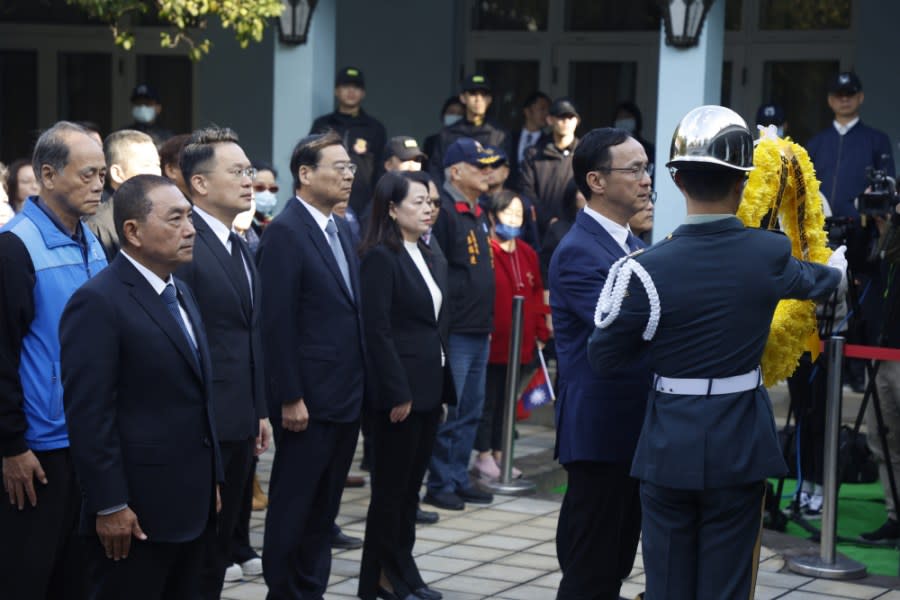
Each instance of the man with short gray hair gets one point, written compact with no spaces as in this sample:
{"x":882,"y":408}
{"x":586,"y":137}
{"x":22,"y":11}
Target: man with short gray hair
{"x":46,"y":253}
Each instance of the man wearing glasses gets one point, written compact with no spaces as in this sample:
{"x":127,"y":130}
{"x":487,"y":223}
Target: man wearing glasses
{"x":315,"y":366}
{"x":226,"y":286}
{"x":598,"y":418}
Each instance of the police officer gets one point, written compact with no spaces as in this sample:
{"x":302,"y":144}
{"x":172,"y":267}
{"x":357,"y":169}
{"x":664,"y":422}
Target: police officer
{"x":708,"y":441}
{"x":476,"y":97}
{"x":146,"y":106}
{"x":364,"y":136}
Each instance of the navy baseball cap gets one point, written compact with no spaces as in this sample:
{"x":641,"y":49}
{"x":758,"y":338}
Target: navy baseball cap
{"x":474,"y":83}
{"x":845,"y":83}
{"x":499,"y":154}
{"x":350,"y":76}
{"x":469,"y":151}
{"x":770,"y":114}
{"x":144,"y":91}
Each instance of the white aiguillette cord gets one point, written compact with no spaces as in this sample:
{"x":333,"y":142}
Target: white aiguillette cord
{"x":610,"y":301}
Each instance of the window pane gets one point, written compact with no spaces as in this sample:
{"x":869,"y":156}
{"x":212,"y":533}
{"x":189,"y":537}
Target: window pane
{"x":510,"y":15}
{"x":172,"y":77}
{"x":513,"y":82}
{"x":804,"y":14}
{"x":612,"y":15}
{"x":18,"y":109}
{"x":58,"y":12}
{"x":597,"y":87}
{"x":733,"y":11}
{"x":800,"y":88}
{"x":85,"y":88}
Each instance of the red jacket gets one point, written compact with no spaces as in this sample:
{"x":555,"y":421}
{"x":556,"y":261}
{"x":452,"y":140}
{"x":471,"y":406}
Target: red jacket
{"x":517,"y":273}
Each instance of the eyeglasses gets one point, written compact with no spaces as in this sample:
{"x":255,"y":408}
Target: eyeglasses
{"x":261,"y":187}
{"x":240,"y":173}
{"x":637,"y":172}
{"x":342,"y":166}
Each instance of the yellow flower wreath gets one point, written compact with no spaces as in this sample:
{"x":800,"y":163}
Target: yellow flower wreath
{"x":783,"y":189}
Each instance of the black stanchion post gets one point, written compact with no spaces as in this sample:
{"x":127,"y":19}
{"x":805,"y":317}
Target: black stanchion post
{"x":828,"y":564}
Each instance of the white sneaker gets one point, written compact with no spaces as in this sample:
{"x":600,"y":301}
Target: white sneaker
{"x":234,"y":573}
{"x":252,"y":567}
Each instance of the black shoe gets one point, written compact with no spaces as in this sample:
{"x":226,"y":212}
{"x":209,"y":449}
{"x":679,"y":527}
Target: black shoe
{"x":888,"y":533}
{"x":426,"y":593}
{"x":342,"y":541}
{"x":445,"y":500}
{"x":426,"y":517}
{"x":386,"y":595}
{"x":474,"y":495}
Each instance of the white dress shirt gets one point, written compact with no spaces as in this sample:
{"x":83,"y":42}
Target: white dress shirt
{"x":158,"y":286}
{"x":221,"y":231}
{"x":618,"y":232}
{"x":437,"y":298}
{"x":321,"y":219}
{"x":843,"y":129}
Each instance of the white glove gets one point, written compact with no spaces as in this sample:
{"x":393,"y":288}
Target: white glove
{"x":838,"y":261}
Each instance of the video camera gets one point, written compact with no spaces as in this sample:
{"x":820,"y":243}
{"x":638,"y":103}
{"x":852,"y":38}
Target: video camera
{"x":881,"y":197}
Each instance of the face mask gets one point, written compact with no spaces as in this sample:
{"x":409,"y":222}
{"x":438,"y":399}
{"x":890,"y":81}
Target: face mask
{"x":143,"y":114}
{"x":451,"y":119}
{"x":507,"y":232}
{"x":626,"y":124}
{"x":266,"y":202}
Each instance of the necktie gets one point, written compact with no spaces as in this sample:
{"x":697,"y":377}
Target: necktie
{"x":632,"y":242}
{"x":239,"y":271}
{"x":338,"y":251}
{"x":171,"y":298}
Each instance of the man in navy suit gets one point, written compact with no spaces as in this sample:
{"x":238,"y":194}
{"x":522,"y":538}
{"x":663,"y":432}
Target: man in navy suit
{"x":597,"y":418}
{"x":315,"y":365}
{"x":136,"y":378}
{"x":226,"y":285}
{"x":709,"y":439}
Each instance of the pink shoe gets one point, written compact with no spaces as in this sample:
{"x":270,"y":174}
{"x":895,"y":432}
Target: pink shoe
{"x":515,"y":474}
{"x":486,"y":468}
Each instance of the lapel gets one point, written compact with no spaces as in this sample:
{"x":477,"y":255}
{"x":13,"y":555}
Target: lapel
{"x":600,"y":235}
{"x":144,"y":294}
{"x":423,"y":292}
{"x":218,"y":250}
{"x":317,"y":236}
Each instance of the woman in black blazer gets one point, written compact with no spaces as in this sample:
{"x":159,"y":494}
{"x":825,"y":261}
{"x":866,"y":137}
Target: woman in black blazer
{"x":404,"y":287}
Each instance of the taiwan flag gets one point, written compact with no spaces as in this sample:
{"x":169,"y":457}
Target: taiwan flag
{"x":539,"y":391}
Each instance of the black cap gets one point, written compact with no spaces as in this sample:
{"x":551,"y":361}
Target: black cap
{"x":845,"y":83}
{"x":563,"y":107}
{"x":474,"y":83}
{"x":350,"y":76}
{"x":144,"y":91}
{"x":405,"y":148}
{"x":770,"y":114}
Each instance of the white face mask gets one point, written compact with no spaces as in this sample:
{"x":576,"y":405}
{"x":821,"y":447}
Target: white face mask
{"x":266,"y":202}
{"x":143,"y":114}
{"x":626,"y":124}
{"x":451,"y":119}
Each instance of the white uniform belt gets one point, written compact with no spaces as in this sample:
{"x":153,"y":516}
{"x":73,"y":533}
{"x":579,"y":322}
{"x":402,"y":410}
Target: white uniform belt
{"x":709,"y":387}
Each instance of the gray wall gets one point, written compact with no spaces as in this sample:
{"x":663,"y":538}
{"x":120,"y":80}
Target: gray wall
{"x":407,"y":50}
{"x":876,"y":56}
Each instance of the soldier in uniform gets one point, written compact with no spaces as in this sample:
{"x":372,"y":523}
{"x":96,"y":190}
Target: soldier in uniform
{"x":708,"y":440}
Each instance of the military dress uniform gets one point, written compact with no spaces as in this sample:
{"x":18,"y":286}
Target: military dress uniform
{"x":708,"y":439}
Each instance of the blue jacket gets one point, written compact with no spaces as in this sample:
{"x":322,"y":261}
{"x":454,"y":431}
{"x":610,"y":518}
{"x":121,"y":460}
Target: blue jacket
{"x":598,"y":417}
{"x":60,"y":269}
{"x":718,"y":286}
{"x":841,"y":161}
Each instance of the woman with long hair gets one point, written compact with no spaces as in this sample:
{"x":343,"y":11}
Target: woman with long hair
{"x":406,"y":325}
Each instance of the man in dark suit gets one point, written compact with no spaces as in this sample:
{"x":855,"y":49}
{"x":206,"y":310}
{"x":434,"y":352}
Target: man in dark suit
{"x":136,"y":378}
{"x":597,"y":418}
{"x":226,"y":285}
{"x":315,"y":366}
{"x":709,"y":440}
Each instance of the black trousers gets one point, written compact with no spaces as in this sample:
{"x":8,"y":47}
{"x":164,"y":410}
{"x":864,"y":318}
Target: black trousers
{"x":807,"y":389}
{"x":237,"y":458}
{"x":598,"y":530}
{"x":402,"y":451}
{"x":701,"y":543}
{"x":152,"y":571}
{"x":490,"y":428}
{"x":241,"y":550}
{"x":41,"y":555}
{"x":308,"y":476}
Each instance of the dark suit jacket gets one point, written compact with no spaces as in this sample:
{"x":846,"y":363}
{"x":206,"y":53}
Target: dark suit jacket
{"x":598,"y":417}
{"x":718,"y":285}
{"x":403,"y":337}
{"x":312,"y":325}
{"x":102,"y":225}
{"x":233,"y":330}
{"x":138,"y":405}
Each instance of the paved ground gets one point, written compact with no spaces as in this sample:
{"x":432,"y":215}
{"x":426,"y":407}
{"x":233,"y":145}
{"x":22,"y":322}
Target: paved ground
{"x":506,"y":550}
